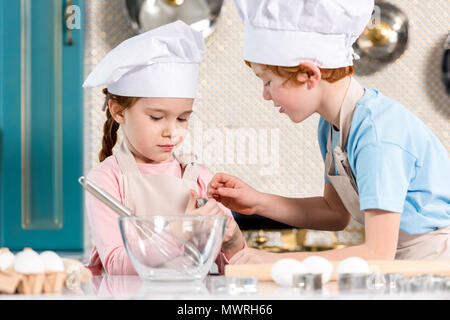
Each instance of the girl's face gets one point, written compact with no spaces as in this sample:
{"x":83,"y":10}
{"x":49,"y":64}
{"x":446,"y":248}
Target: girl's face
{"x":297,"y":101}
{"x":153,"y":127}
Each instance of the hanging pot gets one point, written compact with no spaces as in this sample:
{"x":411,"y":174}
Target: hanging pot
{"x":149,"y":14}
{"x":384,"y":40}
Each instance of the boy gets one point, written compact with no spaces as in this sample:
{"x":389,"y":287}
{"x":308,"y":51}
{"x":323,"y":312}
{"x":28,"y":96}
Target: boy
{"x":383,"y":166}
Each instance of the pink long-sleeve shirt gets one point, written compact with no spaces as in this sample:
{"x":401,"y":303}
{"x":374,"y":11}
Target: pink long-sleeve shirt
{"x":109,"y":253}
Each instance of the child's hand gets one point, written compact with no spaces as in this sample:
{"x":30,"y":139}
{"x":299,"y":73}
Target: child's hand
{"x":233,"y":240}
{"x":234,"y":194}
{"x":211,"y":208}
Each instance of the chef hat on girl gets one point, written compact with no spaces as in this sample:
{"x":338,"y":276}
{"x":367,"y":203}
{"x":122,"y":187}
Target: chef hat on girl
{"x":288,"y":32}
{"x":162,"y":62}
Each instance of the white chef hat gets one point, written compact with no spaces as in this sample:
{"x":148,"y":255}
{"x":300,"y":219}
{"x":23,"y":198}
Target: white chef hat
{"x":163,"y":62}
{"x":289,"y":32}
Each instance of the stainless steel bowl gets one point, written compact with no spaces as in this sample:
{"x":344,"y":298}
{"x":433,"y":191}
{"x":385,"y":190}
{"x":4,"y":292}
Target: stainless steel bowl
{"x":384,"y":40}
{"x":149,"y":14}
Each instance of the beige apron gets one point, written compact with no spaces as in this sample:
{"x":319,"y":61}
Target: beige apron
{"x":434,"y":245}
{"x":156,"y":194}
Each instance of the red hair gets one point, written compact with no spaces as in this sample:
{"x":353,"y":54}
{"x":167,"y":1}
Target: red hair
{"x":330,"y":75}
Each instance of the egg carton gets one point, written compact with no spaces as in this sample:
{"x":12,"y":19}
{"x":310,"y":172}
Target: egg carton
{"x":31,"y":273}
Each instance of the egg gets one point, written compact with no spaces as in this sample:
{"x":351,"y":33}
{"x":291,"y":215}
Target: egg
{"x":28,"y":261}
{"x":353,"y":265}
{"x":6,"y":259}
{"x":317,"y":264}
{"x":283,"y":270}
{"x":52,"y":262}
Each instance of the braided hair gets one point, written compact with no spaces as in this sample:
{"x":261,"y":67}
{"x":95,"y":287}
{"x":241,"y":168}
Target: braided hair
{"x":110,"y":126}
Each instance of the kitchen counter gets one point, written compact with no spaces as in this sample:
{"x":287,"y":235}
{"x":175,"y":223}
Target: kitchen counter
{"x":133,"y":287}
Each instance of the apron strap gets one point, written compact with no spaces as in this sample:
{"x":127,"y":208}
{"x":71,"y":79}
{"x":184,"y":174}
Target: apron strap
{"x":343,"y":181}
{"x":126,"y":160}
{"x":342,"y":165}
{"x":329,"y":143}
{"x":191,"y":169}
{"x":329,"y":161}
{"x":354,"y":93}
{"x":339,"y":158}
{"x":190,"y":176}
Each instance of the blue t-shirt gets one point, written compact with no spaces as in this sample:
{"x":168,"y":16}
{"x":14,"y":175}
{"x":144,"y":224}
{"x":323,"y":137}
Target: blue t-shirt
{"x":398,"y":163}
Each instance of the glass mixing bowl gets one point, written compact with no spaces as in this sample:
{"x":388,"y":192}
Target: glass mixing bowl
{"x":172,"y":248}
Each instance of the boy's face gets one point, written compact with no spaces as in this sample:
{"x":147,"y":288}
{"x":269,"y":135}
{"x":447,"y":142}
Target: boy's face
{"x":297,"y":101}
{"x":155,"y":126}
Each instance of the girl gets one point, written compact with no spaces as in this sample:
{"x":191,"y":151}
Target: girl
{"x":151,"y":81}
{"x":383,"y":166}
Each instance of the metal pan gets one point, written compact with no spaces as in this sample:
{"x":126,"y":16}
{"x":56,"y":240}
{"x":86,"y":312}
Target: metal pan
{"x":384,"y":40}
{"x":149,"y":14}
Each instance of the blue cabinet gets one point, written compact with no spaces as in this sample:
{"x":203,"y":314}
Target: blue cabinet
{"x":41,"y":124}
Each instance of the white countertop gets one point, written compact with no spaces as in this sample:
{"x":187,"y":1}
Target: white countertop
{"x":133,"y":287}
